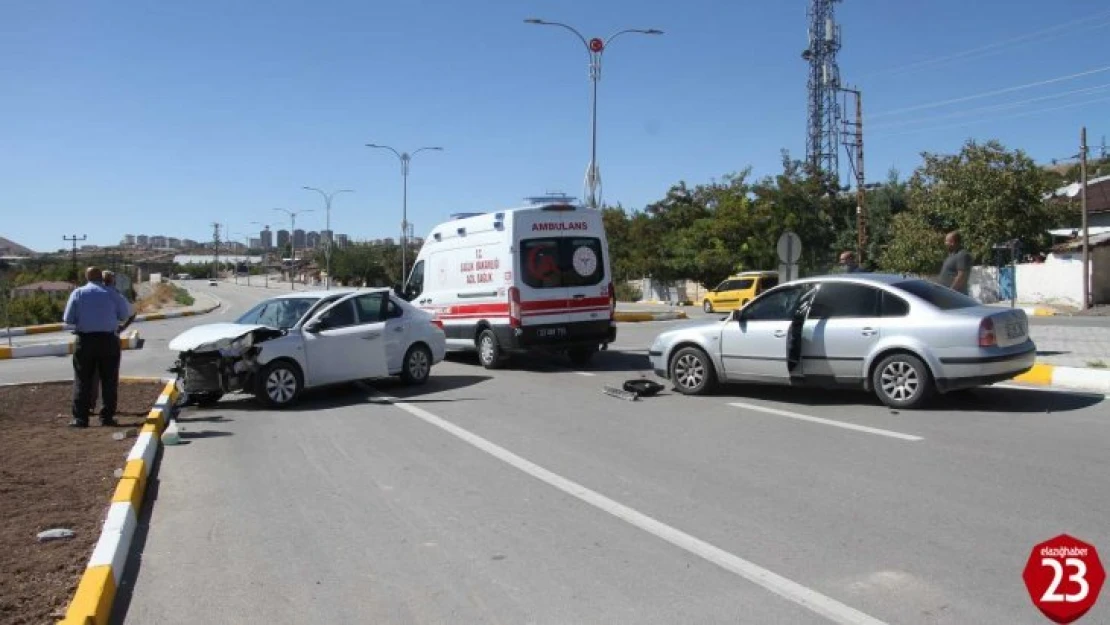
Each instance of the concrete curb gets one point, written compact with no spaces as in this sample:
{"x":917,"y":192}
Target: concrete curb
{"x":1071,"y":378}
{"x":92,"y":602}
{"x":638,"y":316}
{"x":47,"y":328}
{"x":129,"y":341}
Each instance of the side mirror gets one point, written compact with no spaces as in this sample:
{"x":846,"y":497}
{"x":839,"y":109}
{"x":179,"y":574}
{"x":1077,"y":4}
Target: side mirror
{"x":399,"y":290}
{"x":314,"y":326}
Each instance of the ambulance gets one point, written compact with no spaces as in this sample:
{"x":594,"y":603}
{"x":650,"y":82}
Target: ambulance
{"x":517,"y":280}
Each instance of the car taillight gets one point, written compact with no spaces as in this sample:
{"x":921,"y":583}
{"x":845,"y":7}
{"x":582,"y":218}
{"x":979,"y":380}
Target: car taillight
{"x":612,"y":301}
{"x":986,"y":333}
{"x":514,"y":307}
{"x":438,"y":323}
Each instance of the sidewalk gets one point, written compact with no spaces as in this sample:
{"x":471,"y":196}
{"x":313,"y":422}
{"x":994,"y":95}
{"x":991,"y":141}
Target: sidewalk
{"x":1067,"y":346}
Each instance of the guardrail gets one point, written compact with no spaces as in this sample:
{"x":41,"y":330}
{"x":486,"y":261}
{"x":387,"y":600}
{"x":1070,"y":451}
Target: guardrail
{"x":129,"y":341}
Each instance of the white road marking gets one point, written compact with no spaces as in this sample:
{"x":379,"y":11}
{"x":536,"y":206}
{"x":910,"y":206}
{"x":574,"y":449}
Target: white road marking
{"x":790,"y":590}
{"x":586,"y":373}
{"x":838,"y":424}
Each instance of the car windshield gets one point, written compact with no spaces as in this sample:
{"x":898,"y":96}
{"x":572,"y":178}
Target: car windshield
{"x":282,"y":313}
{"x":942,"y":297}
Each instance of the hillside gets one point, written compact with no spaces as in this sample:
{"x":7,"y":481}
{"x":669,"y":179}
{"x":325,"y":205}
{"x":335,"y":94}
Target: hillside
{"x":11,"y":248}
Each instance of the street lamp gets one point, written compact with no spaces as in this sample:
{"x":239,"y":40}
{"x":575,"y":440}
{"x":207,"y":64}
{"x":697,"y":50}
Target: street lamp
{"x":327,"y":246}
{"x":405,"y":159}
{"x":265,"y":270}
{"x":246,"y":255}
{"x":293,"y":243}
{"x":594,"y":48}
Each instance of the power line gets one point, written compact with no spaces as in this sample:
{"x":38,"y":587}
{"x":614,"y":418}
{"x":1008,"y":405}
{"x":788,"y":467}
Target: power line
{"x":994,"y":118}
{"x":994,"y":92}
{"x":1084,"y":23}
{"x":991,"y":107}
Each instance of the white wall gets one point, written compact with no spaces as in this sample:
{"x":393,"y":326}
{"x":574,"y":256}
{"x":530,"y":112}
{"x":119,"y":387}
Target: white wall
{"x":1058,"y":280}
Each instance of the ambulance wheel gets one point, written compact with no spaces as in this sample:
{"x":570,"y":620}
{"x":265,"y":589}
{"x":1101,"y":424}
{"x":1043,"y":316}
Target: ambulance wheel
{"x":581,"y":356}
{"x":489,"y":351}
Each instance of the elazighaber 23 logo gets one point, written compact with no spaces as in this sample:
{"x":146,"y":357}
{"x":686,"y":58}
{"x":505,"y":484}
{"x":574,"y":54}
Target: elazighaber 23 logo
{"x":1064,"y":577}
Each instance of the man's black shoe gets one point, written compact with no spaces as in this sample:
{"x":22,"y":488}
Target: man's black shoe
{"x":109,"y":422}
{"x":77,"y":423}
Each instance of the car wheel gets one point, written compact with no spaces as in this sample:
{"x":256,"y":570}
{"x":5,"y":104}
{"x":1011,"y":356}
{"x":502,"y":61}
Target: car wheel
{"x":902,"y":381}
{"x":692,"y":373}
{"x":581,"y":356}
{"x":279,"y":385}
{"x":707,"y":306}
{"x":417,"y":366}
{"x":489,"y":350}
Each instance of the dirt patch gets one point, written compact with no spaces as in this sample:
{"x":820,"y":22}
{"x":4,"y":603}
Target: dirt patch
{"x":163,"y":296}
{"x":54,"y":476}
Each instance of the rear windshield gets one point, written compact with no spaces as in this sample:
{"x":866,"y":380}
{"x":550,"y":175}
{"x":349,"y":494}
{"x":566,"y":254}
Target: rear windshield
{"x":560,"y":262}
{"x":942,"y":297}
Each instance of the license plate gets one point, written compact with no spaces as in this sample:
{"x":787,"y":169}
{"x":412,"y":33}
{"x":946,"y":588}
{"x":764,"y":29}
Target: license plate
{"x":551,"y":333}
{"x":1015,"y":329}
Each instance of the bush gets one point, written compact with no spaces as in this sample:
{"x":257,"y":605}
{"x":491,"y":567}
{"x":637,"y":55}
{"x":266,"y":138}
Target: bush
{"x":628,"y":293}
{"x":29,"y":310}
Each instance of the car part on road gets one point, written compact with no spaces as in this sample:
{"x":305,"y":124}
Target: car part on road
{"x":417,"y":365}
{"x":280,"y":384}
{"x":901,"y":380}
{"x":619,"y":393}
{"x":692,"y":372}
{"x":643,"y":387}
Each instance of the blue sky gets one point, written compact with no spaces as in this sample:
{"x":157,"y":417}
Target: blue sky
{"x":160,"y":118}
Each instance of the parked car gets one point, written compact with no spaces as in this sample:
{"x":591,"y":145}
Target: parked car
{"x":902,"y":338}
{"x":736,"y":291}
{"x":301,"y":340}
{"x":212,"y":282}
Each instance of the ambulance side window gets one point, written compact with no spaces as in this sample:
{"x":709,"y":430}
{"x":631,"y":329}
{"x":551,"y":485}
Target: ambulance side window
{"x":416,"y":281}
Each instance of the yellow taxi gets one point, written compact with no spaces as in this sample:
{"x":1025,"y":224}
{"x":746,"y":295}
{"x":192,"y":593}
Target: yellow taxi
{"x":735,"y":291}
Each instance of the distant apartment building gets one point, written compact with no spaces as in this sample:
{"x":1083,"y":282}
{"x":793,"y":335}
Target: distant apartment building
{"x":326,"y":235}
{"x":282,"y":238}
{"x":313,"y":239}
{"x":158,"y":242}
{"x":128,"y":240}
{"x":298,"y":238}
{"x":142,"y":240}
{"x":266,"y":238}
{"x":341,"y":240}
{"x":256,"y":243}
{"x":389,"y":241}
{"x":189,"y":244}
{"x":174,"y":243}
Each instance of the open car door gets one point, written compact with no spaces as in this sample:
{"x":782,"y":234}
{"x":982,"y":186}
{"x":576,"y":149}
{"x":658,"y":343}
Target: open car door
{"x":794,"y":337}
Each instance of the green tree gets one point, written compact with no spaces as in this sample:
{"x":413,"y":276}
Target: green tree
{"x":989,"y":193}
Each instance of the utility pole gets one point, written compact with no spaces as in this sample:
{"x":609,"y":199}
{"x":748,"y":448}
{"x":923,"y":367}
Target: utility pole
{"x":823,"y":110}
{"x":215,"y":250}
{"x":854,"y":142}
{"x":1083,"y":207}
{"x":74,"y":239}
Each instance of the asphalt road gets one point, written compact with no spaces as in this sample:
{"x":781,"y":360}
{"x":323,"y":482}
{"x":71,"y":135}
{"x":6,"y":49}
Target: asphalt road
{"x":528,"y":496}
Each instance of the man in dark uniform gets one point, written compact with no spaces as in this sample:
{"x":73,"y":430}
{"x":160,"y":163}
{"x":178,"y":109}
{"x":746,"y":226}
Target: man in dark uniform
{"x":95,"y":311}
{"x":94,"y":386}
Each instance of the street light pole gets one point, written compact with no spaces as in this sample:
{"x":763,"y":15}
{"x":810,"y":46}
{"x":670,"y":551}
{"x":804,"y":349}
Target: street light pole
{"x":594,"y":49}
{"x":265,"y":271}
{"x":405,"y":159}
{"x":327,"y":226}
{"x":293,"y":244}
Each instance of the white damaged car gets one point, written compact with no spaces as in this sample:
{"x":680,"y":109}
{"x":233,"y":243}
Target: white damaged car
{"x":302,"y":340}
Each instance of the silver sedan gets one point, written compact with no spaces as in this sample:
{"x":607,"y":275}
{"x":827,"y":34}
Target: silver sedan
{"x":902,"y":338}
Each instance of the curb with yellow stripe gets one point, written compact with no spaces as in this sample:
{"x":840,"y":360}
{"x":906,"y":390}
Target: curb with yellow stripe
{"x":48,"y":328}
{"x":1074,"y":378}
{"x":629,"y":316}
{"x":96,"y":592}
{"x":128,"y":341}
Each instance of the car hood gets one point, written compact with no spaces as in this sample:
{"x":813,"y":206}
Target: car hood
{"x":213,"y":336}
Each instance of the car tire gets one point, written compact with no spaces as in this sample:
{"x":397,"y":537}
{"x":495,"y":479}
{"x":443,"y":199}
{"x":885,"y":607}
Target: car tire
{"x":489,"y":350}
{"x":707,"y":306}
{"x":902,"y":381}
{"x":581,"y":356}
{"x":692,"y":372}
{"x":280,"y":384}
{"x":417,"y":365}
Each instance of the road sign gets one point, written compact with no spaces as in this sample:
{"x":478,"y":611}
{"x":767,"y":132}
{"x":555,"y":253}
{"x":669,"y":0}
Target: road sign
{"x":1064,"y":576}
{"x":789,"y":247}
{"x":597,"y":45}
